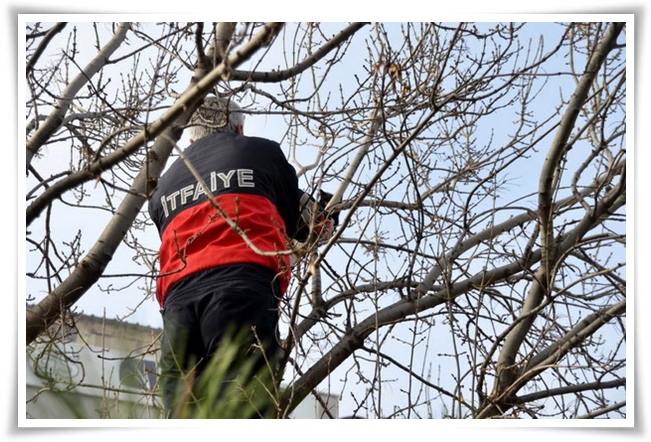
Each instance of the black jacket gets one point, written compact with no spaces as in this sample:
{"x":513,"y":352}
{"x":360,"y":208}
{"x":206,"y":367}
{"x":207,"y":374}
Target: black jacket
{"x":253,"y":184}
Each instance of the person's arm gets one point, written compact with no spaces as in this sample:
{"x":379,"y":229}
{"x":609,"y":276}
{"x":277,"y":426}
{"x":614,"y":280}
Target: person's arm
{"x":305,"y":218}
{"x":314,"y":218}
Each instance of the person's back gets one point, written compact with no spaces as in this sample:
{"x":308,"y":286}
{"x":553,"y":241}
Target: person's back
{"x":253,"y":185}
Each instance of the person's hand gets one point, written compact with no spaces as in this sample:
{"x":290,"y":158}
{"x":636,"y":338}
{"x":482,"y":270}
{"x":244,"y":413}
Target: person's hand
{"x":315,"y":216}
{"x":324,"y":229}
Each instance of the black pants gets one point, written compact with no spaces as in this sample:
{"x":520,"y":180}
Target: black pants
{"x":232,"y":304}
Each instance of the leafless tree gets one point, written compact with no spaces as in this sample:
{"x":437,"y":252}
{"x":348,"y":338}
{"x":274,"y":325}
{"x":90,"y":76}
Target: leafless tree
{"x":478,"y":270}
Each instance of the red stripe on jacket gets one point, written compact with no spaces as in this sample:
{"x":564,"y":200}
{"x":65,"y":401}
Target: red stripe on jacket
{"x":200,"y":238}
